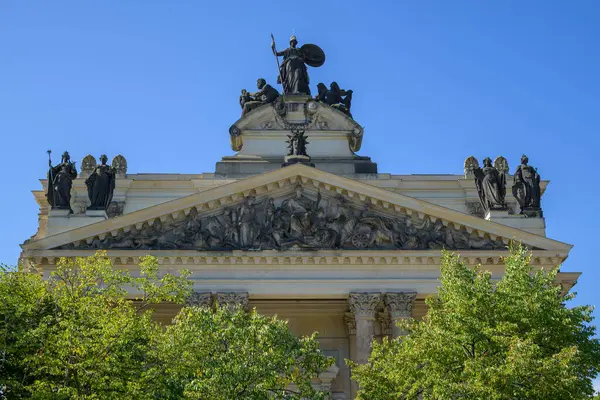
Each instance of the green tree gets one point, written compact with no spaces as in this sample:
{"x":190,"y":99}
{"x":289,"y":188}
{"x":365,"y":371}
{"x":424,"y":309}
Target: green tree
{"x":77,"y":336}
{"x":232,"y":354}
{"x":514,"y":339}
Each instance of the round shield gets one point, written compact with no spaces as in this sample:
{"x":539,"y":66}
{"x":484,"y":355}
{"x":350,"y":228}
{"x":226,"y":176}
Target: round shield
{"x":313,"y":55}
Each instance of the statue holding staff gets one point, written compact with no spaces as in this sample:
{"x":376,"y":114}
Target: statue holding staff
{"x":60,"y":181}
{"x":293,"y":74}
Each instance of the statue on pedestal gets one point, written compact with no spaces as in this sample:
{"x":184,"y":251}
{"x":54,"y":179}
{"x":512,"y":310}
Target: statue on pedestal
{"x":337,"y":98}
{"x":293,"y":74}
{"x":491,"y":186}
{"x":266,"y":94}
{"x":526,"y":189}
{"x":101,"y":185}
{"x":60,"y":181}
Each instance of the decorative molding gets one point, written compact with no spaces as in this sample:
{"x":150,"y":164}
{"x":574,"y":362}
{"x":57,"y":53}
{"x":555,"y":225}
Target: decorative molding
{"x":119,"y":163}
{"x":358,"y":259}
{"x":88,"y":164}
{"x":199,"y":299}
{"x":364,"y":305}
{"x":350,"y":323}
{"x":232,"y":300}
{"x":399,"y":304}
{"x":115,"y":209}
{"x":470,"y":165}
{"x":385,"y":322}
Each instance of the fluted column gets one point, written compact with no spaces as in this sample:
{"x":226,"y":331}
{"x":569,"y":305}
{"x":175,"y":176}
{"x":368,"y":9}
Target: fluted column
{"x":350,"y":323}
{"x":364,"y":307}
{"x":399,"y":306}
{"x":199,"y":299}
{"x":233,"y":299}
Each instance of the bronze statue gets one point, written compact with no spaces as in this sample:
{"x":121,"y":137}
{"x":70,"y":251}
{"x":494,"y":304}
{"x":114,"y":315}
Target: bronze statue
{"x":526,"y":189}
{"x":266,"y":94}
{"x":293,"y":74}
{"x":297,"y":144}
{"x":337,"y":98}
{"x":60,"y":181}
{"x":491,"y":186}
{"x":101,"y":185}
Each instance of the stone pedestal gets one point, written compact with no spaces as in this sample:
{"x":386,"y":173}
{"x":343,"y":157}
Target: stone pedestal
{"x":59,"y":213}
{"x":536,"y":225}
{"x":291,"y":160}
{"x":96,"y":214}
{"x":64,"y":220}
{"x":399,"y":306}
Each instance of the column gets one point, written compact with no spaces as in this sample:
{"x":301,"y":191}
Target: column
{"x":399,"y":306}
{"x":364,"y":306}
{"x":233,"y":299}
{"x":199,"y":299}
{"x":350,"y":323}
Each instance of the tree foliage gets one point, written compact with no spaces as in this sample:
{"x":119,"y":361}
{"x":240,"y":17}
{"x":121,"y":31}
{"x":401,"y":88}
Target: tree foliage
{"x":76,"y":335}
{"x":228,"y":354}
{"x":514,"y":339}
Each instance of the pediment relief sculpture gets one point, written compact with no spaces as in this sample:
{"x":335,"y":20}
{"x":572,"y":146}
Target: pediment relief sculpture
{"x":300,"y":220}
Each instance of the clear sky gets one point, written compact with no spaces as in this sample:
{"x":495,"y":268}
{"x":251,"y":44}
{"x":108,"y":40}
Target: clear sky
{"x":434,"y":82}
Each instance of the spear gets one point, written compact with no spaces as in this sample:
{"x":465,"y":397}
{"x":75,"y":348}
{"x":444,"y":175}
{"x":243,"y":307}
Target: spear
{"x":277,"y":59}
{"x":51,"y":180}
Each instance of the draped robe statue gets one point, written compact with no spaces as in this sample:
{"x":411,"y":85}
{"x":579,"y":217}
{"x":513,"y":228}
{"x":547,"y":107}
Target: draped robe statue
{"x":60,"y":181}
{"x":526,"y":188}
{"x":293,"y":74}
{"x":491,"y":186}
{"x":101,"y":185}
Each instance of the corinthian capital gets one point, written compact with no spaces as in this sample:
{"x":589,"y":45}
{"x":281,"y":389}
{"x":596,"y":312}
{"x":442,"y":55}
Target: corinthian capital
{"x":364,"y":304}
{"x":400,"y":304}
{"x":232,"y":299}
{"x":198,"y":299}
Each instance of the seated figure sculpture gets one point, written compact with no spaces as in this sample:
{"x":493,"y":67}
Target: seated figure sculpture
{"x":266,"y":94}
{"x":335,"y":97}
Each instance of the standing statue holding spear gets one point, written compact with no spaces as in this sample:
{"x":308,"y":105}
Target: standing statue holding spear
{"x":293,"y":74}
{"x":60,"y":181}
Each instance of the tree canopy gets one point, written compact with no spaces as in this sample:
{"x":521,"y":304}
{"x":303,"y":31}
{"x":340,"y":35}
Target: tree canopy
{"x":77,"y":335}
{"x":481,"y":339}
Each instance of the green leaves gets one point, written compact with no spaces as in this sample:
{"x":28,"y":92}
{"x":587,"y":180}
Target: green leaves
{"x":77,"y":336}
{"x":236,"y":355}
{"x":513,"y":339}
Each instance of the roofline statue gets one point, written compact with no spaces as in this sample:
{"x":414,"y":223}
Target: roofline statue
{"x":293,"y":74}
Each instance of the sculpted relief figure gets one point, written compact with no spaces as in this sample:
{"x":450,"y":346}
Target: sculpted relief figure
{"x":297,"y":143}
{"x":266,"y":94}
{"x":302,"y":220}
{"x":293,"y":74}
{"x":526,"y":188}
{"x":491,"y":186}
{"x":101,"y":185}
{"x":60,"y":181}
{"x":335,"y":97}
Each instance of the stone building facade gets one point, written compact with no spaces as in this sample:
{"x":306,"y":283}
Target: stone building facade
{"x":337,"y":248}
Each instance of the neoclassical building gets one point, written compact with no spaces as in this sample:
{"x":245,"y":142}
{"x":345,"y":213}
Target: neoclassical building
{"x":337,"y":247}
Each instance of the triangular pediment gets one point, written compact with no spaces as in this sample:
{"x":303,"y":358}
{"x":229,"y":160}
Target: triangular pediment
{"x":295,"y":207}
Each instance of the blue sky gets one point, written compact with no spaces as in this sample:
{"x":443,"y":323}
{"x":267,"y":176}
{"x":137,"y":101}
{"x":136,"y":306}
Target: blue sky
{"x":433,"y":81}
